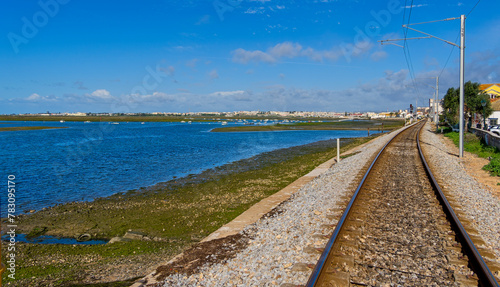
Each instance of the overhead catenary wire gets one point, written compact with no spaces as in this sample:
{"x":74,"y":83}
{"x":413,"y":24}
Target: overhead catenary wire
{"x":406,"y":50}
{"x":473,"y":8}
{"x":449,"y":56}
{"x":456,"y":40}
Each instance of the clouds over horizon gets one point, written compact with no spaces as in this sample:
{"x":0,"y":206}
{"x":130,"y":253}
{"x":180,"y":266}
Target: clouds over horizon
{"x":289,"y":50}
{"x":391,"y":90}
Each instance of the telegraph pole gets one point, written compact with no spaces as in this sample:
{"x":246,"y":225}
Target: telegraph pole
{"x":436,"y":105}
{"x":462,"y":57}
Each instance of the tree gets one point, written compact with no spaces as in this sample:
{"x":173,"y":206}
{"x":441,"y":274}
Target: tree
{"x":473,"y":97}
{"x":451,"y":104}
{"x":472,"y":103}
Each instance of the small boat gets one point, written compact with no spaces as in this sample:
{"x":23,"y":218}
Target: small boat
{"x":115,"y":123}
{"x":224,"y":123}
{"x":142,"y":123}
{"x":61,"y":121}
{"x":87,"y":122}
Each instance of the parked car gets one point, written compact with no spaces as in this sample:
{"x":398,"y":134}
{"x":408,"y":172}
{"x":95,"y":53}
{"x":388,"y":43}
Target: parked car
{"x":495,"y":130}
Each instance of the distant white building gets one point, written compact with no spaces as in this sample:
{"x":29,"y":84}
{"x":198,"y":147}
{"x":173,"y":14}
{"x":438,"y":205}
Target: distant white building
{"x":432,"y":107}
{"x":76,"y":114}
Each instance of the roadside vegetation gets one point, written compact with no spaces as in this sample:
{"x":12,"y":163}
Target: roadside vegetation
{"x":476,"y":145}
{"x":178,"y":214}
{"x":473,"y":99}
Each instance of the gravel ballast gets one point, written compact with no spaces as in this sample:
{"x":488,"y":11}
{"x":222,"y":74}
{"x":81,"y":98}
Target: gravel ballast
{"x":479,"y":205}
{"x":279,"y":242}
{"x":281,"y":247}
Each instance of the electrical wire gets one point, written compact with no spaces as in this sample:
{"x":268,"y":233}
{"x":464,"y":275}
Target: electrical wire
{"x":449,"y":56}
{"x":406,"y":50}
{"x":456,"y":40}
{"x":472,"y":9}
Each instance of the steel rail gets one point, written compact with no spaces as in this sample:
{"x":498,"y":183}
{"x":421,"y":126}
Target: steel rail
{"x":475,"y":259}
{"x":322,"y":260}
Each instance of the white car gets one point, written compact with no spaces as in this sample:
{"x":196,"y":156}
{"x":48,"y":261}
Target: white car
{"x":495,"y":130}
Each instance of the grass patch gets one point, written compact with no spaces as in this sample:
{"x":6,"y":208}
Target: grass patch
{"x":328,"y":125}
{"x":179,"y":213}
{"x":37,"y":231}
{"x":476,"y":145}
{"x":11,"y":129}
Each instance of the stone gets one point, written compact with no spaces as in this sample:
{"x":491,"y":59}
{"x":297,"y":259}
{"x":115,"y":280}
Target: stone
{"x":134,"y":235}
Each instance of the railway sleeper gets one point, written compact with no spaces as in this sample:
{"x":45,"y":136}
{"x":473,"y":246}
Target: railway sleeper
{"x":465,"y":280}
{"x":494,"y":268}
{"x":486,"y":253}
{"x":313,"y":250}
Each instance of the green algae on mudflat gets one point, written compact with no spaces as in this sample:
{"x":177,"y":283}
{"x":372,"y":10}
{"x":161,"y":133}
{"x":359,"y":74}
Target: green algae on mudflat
{"x":12,"y":129}
{"x":177,"y":213}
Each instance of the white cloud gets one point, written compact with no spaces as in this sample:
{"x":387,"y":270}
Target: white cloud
{"x":99,"y":95}
{"x":378,"y":55}
{"x":239,"y":96}
{"x":192,"y":63}
{"x":295,"y":50}
{"x":156,"y":97}
{"x":416,"y":6}
{"x":255,"y":10}
{"x":285,"y":49}
{"x":227,"y":93}
{"x":37,"y":98}
{"x":243,"y":56}
{"x":203,"y":20}
{"x":213,"y":74}
{"x":34,"y":97}
{"x":169,"y":71}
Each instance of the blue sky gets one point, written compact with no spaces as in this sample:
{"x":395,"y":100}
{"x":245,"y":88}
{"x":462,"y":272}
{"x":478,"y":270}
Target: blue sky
{"x":230,"y":55}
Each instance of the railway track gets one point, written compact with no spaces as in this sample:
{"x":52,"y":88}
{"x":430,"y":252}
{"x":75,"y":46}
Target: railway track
{"x":399,"y":230}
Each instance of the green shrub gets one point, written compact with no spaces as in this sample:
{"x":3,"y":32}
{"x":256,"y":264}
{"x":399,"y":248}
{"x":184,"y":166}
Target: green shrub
{"x":493,"y":167}
{"x":476,"y":145}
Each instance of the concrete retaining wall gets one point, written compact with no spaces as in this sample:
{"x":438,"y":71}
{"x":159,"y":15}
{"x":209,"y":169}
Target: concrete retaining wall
{"x":490,"y":138}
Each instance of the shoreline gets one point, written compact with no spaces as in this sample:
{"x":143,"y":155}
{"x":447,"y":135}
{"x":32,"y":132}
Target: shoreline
{"x":373,"y":125}
{"x":233,"y":167}
{"x":28,"y":128}
{"x":264,"y":208}
{"x":280,"y":246}
{"x":181,"y":205}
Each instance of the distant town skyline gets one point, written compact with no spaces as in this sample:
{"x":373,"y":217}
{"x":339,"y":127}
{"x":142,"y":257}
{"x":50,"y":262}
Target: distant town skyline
{"x":193,"y":56}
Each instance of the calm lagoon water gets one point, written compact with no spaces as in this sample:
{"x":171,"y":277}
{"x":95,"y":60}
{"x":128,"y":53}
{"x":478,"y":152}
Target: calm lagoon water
{"x":90,"y":160}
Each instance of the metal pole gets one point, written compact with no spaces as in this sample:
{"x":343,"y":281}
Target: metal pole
{"x":436,"y":119}
{"x":434,"y":108}
{"x":484,"y":119}
{"x":338,"y":149}
{"x":461,"y":111}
